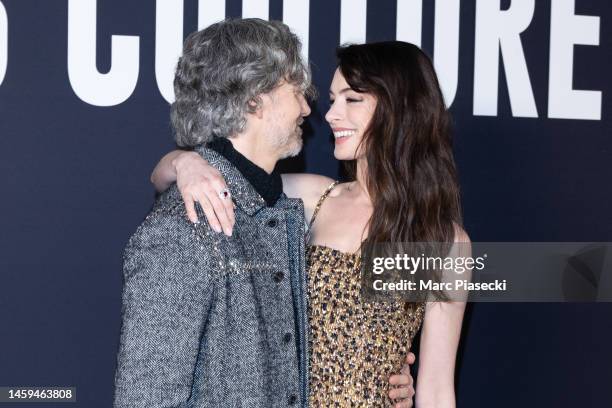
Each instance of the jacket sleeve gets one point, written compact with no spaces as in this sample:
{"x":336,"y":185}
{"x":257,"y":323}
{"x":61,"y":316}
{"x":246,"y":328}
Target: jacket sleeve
{"x":166,"y":299}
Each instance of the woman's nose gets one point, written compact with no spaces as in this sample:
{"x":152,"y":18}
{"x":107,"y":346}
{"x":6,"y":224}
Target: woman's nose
{"x":332,"y":114}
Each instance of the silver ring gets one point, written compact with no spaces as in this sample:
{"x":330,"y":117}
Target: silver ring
{"x":224,"y":194}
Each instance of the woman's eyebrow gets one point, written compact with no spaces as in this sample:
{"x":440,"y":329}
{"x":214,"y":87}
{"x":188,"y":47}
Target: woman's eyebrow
{"x":341,"y":91}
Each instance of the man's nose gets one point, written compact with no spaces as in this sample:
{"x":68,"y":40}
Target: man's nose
{"x":305,"y":107}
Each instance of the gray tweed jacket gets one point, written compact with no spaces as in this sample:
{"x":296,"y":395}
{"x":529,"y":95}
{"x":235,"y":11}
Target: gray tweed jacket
{"x":210,"y":320}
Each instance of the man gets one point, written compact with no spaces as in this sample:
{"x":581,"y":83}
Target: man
{"x":211,"y":320}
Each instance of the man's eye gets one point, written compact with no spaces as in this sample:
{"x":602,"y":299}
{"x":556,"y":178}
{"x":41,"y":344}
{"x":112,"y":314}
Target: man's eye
{"x":331,"y":101}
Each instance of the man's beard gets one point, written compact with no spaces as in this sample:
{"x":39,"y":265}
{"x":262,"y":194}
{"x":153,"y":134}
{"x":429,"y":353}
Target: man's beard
{"x":291,"y":145}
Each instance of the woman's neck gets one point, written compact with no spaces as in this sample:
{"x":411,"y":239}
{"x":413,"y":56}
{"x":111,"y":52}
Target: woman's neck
{"x":359,"y":186}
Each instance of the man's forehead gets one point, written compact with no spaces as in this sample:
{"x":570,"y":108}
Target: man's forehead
{"x":288,"y":86}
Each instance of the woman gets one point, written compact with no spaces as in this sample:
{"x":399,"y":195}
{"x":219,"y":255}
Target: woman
{"x":391,"y":130}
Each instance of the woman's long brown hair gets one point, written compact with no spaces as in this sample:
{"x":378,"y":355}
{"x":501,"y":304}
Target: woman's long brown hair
{"x":411,"y":174}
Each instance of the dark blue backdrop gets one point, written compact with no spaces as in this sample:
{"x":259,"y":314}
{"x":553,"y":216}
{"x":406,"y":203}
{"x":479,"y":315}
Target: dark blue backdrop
{"x":75,"y":185}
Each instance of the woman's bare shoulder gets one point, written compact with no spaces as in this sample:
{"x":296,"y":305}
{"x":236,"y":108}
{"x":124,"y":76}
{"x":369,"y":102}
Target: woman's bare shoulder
{"x":460,"y":235}
{"x":462,"y":245}
{"x":306,"y":186}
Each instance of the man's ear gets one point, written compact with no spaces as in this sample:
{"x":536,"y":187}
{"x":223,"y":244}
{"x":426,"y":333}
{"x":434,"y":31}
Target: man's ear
{"x":255,"y":107}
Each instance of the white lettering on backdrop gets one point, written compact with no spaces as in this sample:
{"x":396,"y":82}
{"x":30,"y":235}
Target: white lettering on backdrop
{"x":446,"y":47}
{"x":567,"y":29}
{"x":353,"y":14}
{"x":497,"y":34}
{"x":500,"y":30}
{"x":88,"y":83}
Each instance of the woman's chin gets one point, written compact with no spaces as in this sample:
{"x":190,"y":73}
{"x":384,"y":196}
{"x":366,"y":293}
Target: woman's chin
{"x":341,"y":156}
{"x":341,"y":153}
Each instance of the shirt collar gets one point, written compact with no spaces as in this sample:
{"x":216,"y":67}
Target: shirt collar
{"x":268,"y":186}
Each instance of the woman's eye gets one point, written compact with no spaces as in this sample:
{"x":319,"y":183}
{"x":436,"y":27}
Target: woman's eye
{"x":352,"y":100}
{"x":331,"y":101}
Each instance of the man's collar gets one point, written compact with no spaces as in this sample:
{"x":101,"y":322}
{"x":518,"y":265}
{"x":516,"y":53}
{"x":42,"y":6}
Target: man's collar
{"x":268,"y":186}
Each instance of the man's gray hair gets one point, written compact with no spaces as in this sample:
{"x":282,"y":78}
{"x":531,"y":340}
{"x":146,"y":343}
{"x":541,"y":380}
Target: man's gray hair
{"x":224,"y":70}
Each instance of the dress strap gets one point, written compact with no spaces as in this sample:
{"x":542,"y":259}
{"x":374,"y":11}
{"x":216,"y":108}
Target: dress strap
{"x":318,"y":206}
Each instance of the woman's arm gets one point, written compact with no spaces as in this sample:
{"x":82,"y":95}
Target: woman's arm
{"x":200,"y":182}
{"x":164,"y":173}
{"x":439,"y":342}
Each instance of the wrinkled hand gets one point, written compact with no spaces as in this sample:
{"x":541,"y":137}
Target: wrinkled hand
{"x":404,"y":385}
{"x":200,"y":182}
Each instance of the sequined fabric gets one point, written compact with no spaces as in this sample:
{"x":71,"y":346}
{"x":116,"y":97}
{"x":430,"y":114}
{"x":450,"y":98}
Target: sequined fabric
{"x":355,"y":346}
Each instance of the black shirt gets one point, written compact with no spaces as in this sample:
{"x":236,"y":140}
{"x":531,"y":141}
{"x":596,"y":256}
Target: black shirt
{"x":268,"y":186}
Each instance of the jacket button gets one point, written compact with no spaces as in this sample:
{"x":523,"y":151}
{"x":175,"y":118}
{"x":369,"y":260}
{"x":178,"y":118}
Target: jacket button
{"x":287,"y":338}
{"x":278,"y":276}
{"x":272,"y":223}
{"x":292,"y":399}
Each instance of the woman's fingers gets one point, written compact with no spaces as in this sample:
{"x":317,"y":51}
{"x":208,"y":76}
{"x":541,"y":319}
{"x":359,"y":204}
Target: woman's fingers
{"x":189,"y":201}
{"x":400,"y":379}
{"x":403,"y":394}
{"x":209,"y":212}
{"x":228,"y":203}
{"x":192,"y":215}
{"x":200,"y":182}
{"x":219,"y":186}
{"x":206,"y":189}
{"x":407,"y":403}
{"x":410,"y":358}
{"x":404,"y":388}
{"x":220,"y":210}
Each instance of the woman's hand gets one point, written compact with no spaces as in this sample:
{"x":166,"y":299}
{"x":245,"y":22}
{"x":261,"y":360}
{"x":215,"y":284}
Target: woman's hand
{"x":198,"y":182}
{"x":403,"y":384}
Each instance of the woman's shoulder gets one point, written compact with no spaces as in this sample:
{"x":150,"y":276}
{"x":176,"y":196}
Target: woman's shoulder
{"x":460,"y":235}
{"x":462,"y":245}
{"x":305,"y":185}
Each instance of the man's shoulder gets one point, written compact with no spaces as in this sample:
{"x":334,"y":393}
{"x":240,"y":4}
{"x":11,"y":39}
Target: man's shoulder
{"x":168,"y":218}
{"x":166,"y":233}
{"x":168,"y":202}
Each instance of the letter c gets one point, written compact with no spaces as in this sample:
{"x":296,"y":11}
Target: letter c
{"x":90,"y":85}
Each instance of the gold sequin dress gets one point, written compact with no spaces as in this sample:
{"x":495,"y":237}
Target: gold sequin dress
{"x":355,"y":345}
